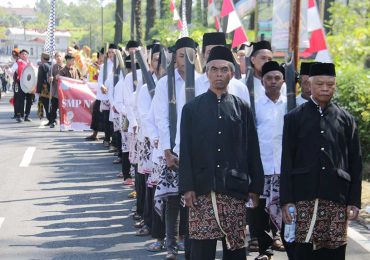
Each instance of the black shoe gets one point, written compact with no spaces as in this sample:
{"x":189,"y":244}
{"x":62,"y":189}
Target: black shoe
{"x":19,"y":119}
{"x":52,"y":125}
{"x":48,"y":124}
{"x":14,"y":117}
{"x":117,"y":161}
{"x":106,"y":144}
{"x":27,"y":119}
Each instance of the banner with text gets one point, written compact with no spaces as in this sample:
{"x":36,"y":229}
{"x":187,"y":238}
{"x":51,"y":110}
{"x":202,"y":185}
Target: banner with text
{"x":76,"y":99}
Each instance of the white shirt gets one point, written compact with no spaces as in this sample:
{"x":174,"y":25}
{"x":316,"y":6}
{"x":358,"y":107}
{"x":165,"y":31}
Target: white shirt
{"x":124,"y":99}
{"x":269,"y":124}
{"x":111,"y":89}
{"x":130,"y":99}
{"x":160,"y":102}
{"x":236,"y":88}
{"x":144,"y":101}
{"x":259,"y":89}
{"x":99,"y":93}
{"x":300,"y":100}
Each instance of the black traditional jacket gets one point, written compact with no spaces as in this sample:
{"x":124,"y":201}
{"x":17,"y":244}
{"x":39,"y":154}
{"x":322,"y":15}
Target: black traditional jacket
{"x":321,"y":156}
{"x":219,"y":148}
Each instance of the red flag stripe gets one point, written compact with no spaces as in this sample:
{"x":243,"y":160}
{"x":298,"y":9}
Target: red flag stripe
{"x":227,"y":7}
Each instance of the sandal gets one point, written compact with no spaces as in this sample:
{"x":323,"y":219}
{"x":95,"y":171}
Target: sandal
{"x":180,"y":246}
{"x":253,"y":245}
{"x":144,"y":231}
{"x":91,"y":138}
{"x":155,"y":247}
{"x":263,"y":257}
{"x":139,"y":224}
{"x":278,"y":245}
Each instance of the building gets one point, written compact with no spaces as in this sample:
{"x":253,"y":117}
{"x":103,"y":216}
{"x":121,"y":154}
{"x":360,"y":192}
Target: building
{"x":32,"y":40}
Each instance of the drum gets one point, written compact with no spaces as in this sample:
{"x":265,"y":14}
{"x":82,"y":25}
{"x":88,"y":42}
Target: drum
{"x":28,"y":80}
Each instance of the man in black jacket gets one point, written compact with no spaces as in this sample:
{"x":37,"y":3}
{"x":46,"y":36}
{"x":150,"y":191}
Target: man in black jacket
{"x":321,"y":170}
{"x":43,"y":85}
{"x":220,"y":165}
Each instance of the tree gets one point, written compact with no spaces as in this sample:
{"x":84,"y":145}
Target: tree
{"x":138,"y":21}
{"x":119,"y":22}
{"x":163,"y":8}
{"x":205,"y":13}
{"x":150,"y":16}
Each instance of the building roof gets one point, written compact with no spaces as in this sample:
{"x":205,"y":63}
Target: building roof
{"x":36,"y":33}
{"x":23,"y":12}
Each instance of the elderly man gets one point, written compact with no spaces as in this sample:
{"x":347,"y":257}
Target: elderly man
{"x":220,"y":165}
{"x":321,"y":170}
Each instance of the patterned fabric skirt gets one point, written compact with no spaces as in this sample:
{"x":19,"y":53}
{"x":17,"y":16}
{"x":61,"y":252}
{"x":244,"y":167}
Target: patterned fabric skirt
{"x":126,"y":140}
{"x":153,"y":178}
{"x":168,"y":185}
{"x":330,"y":229}
{"x":134,"y":149}
{"x":145,"y":164}
{"x":271,"y":194}
{"x":232,"y":214}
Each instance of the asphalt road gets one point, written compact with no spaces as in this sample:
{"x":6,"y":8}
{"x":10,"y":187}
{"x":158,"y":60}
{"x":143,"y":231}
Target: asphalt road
{"x":60,"y":199}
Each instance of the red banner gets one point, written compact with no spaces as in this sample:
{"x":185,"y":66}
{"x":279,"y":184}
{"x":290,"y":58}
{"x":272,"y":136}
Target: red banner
{"x":75,"y":103}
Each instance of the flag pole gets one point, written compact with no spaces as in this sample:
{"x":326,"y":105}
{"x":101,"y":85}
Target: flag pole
{"x":295,"y":11}
{"x":50,"y":44}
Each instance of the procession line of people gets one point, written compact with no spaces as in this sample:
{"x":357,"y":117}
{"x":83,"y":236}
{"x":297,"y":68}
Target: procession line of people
{"x":209,"y":156}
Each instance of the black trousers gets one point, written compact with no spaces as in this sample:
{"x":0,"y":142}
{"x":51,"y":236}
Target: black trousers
{"x":53,"y":109}
{"x":97,"y":117}
{"x":21,"y":111}
{"x":262,"y":227}
{"x":45,"y":102}
{"x":251,"y":223}
{"x":158,"y":230}
{"x":107,"y":126}
{"x":306,"y":252}
{"x":119,"y":143}
{"x":206,"y":250}
{"x":148,"y":204}
{"x":140,"y":192}
{"x":126,"y":165}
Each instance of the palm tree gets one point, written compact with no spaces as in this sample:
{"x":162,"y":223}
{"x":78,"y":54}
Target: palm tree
{"x":150,"y":16}
{"x":119,"y":22}
{"x":138,"y":21}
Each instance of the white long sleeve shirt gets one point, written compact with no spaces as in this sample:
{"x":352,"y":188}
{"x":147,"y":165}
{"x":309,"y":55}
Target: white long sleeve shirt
{"x":99,"y":93}
{"x":130,"y":99}
{"x":236,"y":87}
{"x":144,"y":101}
{"x":160,"y":103}
{"x":269,"y":123}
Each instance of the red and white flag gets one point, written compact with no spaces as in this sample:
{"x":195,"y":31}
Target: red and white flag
{"x":75,"y":102}
{"x":233,"y":23}
{"x":176,"y":16}
{"x":213,"y":12}
{"x":317,"y":38}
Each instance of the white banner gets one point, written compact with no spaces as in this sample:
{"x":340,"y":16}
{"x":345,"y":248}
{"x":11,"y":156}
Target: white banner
{"x":280,"y":25}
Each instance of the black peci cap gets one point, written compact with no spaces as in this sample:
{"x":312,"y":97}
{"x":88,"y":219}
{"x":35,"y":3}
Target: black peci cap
{"x":132,"y":44}
{"x":112,"y":46}
{"x":272,"y":66}
{"x":214,"y":38}
{"x":322,"y":69}
{"x":221,"y":53}
{"x":261,"y":45}
{"x":305,"y":68}
{"x":185,"y":42}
